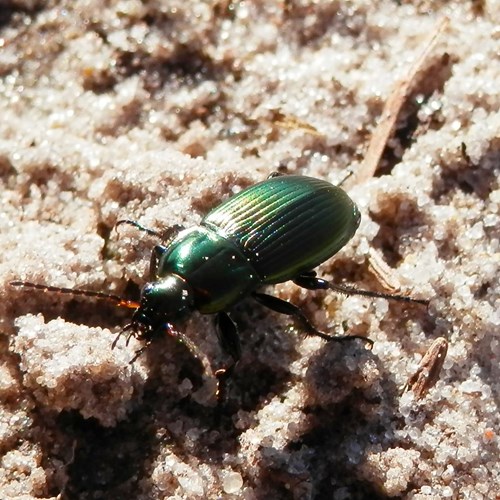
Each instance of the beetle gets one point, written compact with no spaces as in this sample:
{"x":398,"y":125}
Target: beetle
{"x":274,"y":231}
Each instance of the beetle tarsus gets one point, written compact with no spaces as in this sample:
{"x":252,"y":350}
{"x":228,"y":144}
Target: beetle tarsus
{"x":284,"y":307}
{"x":350,"y":290}
{"x":344,"y":179}
{"x":223,"y":375}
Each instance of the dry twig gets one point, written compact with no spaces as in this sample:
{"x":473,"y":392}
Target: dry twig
{"x":393,"y":106}
{"x":427,"y":373}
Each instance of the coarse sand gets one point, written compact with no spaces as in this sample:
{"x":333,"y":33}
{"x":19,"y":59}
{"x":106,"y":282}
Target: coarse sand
{"x":157,"y":111}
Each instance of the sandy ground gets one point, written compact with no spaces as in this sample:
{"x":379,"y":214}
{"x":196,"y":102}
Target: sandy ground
{"x":158,"y":112}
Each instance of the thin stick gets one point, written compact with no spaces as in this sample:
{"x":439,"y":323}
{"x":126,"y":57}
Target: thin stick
{"x":393,"y":106}
{"x":427,"y":373}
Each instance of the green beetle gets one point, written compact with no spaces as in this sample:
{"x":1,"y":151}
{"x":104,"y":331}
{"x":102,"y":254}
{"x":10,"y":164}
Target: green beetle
{"x":277,"y":230}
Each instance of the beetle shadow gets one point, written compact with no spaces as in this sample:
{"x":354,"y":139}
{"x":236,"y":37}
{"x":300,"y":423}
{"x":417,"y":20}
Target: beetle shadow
{"x":267,"y":352}
{"x":341,"y":409}
{"x":102,"y":460}
{"x":399,"y":216}
{"x":166,"y":418}
{"x":341,"y":419}
{"x":95,"y":461}
{"x":478,"y":178}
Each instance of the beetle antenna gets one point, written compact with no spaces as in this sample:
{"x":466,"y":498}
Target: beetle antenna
{"x":350,"y":290}
{"x":136,"y":224}
{"x":344,"y":179}
{"x":118,"y":301}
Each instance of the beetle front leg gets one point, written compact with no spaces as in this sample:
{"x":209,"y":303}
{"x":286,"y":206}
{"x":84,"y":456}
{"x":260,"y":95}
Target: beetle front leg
{"x":312,"y":282}
{"x":183,"y":339}
{"x":158,"y":251}
{"x":284,"y":307}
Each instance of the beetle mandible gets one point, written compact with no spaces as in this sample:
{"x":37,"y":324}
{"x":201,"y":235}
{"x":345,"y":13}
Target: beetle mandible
{"x":274,"y":231}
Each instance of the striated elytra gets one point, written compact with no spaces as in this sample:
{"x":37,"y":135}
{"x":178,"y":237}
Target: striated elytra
{"x":274,"y":231}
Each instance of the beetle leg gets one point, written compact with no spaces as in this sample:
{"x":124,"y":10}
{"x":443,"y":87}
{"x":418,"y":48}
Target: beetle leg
{"x":311,"y":282}
{"x":230,"y":342}
{"x":165,"y":236}
{"x":184,"y":339}
{"x":284,"y":307}
{"x":139,"y":351}
{"x":228,"y":335}
{"x":158,"y":251}
{"x":169,"y":233}
{"x":120,"y":333}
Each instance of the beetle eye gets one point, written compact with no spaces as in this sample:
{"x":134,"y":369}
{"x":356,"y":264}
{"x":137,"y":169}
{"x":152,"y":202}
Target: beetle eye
{"x":146,"y":289}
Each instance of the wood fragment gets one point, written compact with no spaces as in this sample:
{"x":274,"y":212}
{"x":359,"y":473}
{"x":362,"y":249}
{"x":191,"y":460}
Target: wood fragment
{"x":428,"y":371}
{"x":293,"y":123}
{"x":393,"y":106}
{"x":385,"y":275}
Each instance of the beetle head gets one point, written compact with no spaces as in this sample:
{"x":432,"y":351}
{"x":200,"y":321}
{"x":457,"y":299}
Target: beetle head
{"x":161,"y":303}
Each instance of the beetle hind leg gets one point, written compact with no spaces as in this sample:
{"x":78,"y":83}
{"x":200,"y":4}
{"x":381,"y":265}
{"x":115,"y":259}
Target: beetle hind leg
{"x":312,"y":282}
{"x":284,"y":307}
